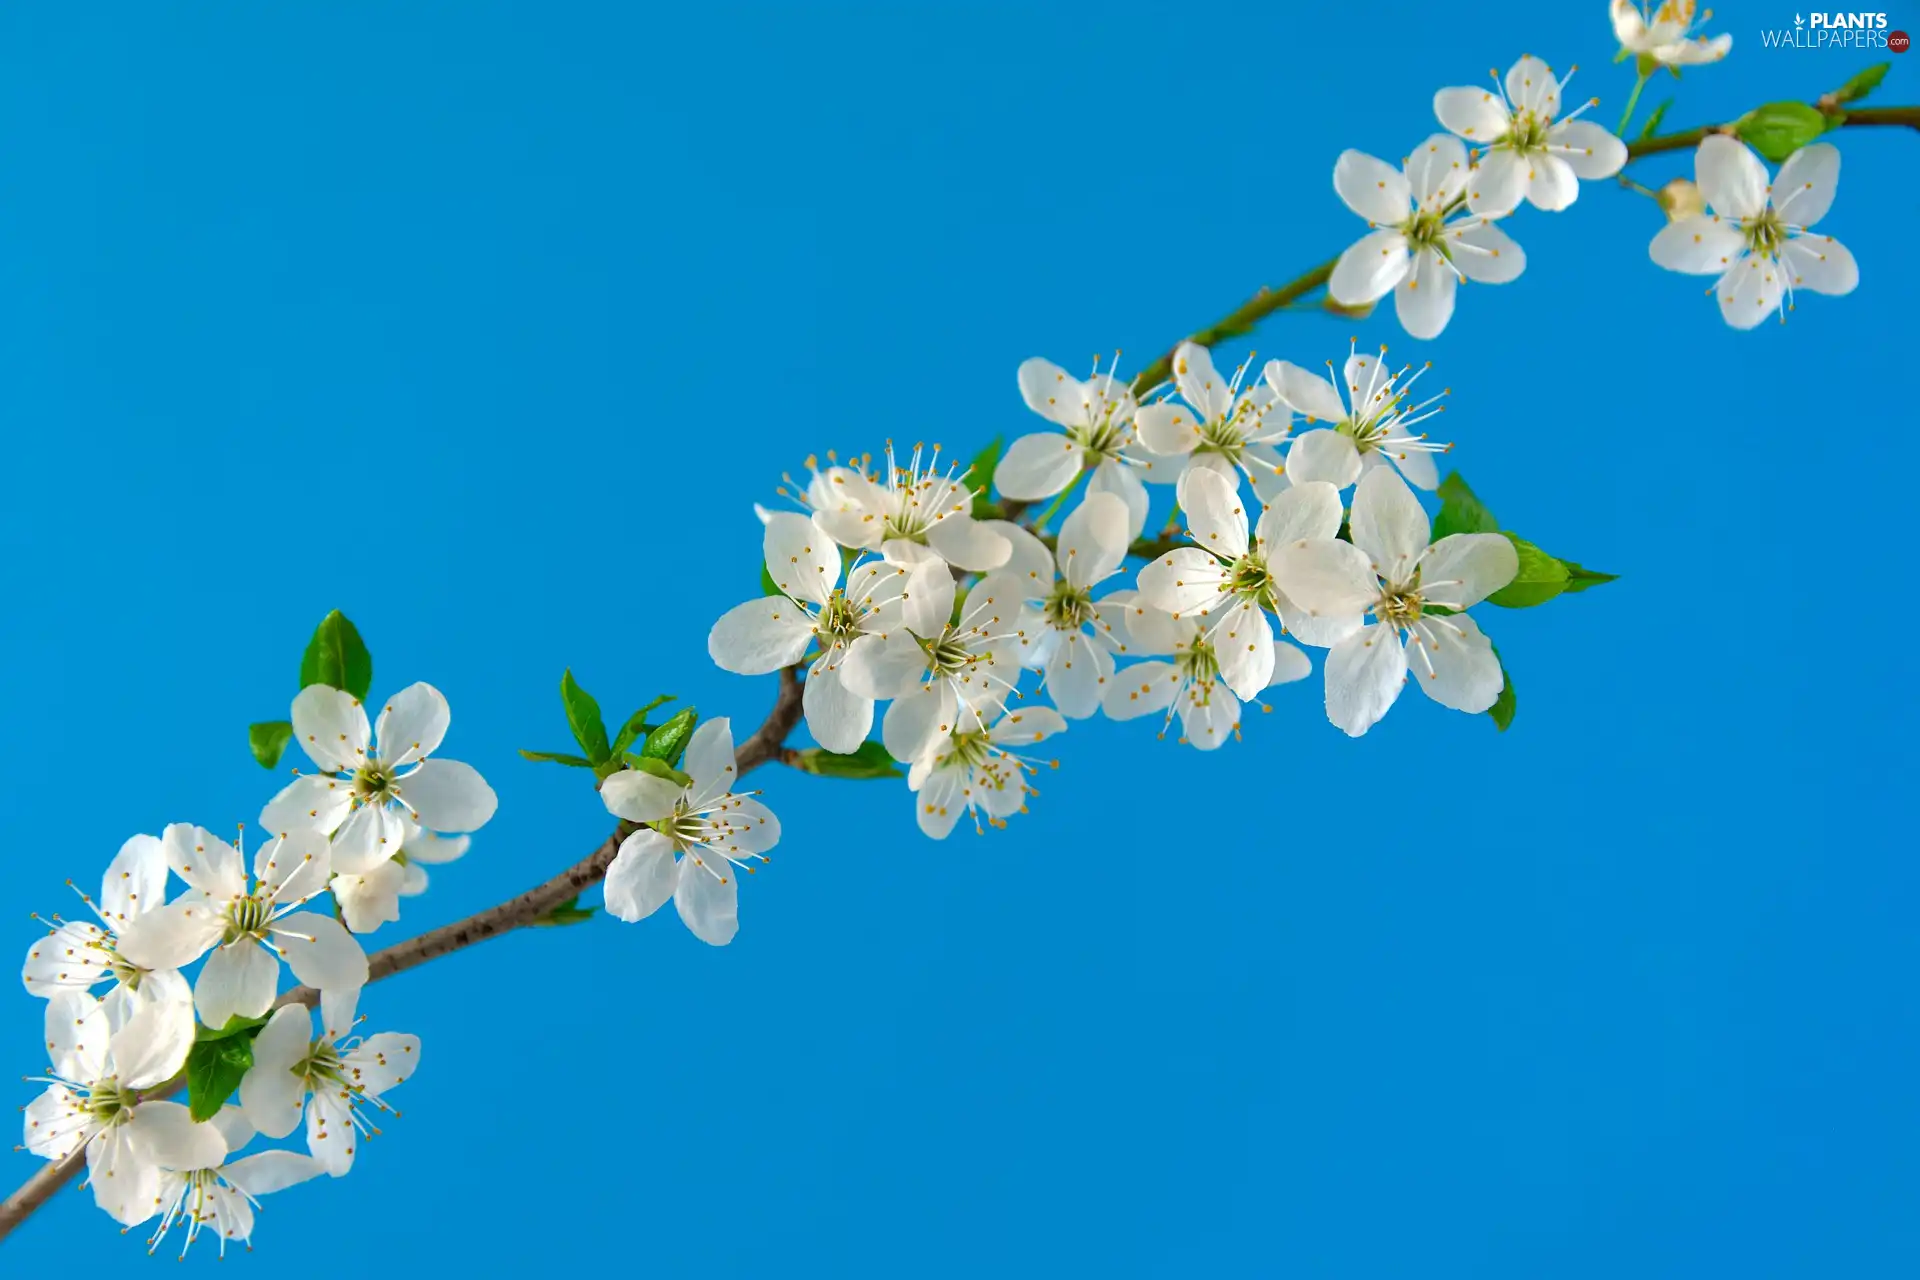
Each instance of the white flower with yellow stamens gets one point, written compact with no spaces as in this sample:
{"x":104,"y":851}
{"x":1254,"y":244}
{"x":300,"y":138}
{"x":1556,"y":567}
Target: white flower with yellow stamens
{"x":1098,"y":417}
{"x":1373,"y":424}
{"x":77,"y":955}
{"x":1067,"y":637}
{"x":1530,"y":152}
{"x":1664,"y":36}
{"x":911,"y":513}
{"x":334,"y":1079}
{"x":1220,"y":427}
{"x":1182,"y":675}
{"x":980,"y":771}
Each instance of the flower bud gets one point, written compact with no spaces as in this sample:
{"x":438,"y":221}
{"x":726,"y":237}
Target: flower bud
{"x":1681,"y":199}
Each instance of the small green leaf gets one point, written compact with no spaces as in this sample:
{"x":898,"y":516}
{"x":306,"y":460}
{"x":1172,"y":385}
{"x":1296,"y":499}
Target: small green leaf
{"x":659,"y":769}
{"x":1864,"y":83}
{"x":768,"y":587}
{"x":1779,"y":129}
{"x":1653,"y":121}
{"x":1579,"y":577}
{"x":869,"y":760}
{"x":236,"y":1025}
{"x":269,"y":740}
{"x":979,"y":478}
{"x":636,"y":724}
{"x":214,"y":1068}
{"x":557,"y":757}
{"x":568,"y":912}
{"x":1503,"y":706}
{"x":670,"y":739}
{"x":337,"y":656}
{"x":1540,"y":579}
{"x":1460,"y":510}
{"x":583,"y":717}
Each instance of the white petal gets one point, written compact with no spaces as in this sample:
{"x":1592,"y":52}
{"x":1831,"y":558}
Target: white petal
{"x":124,"y":1183}
{"x":447,"y":795}
{"x":166,"y":1134}
{"x":1168,"y":428}
{"x":1093,"y":540}
{"x":709,"y":761}
{"x":312,"y":802}
{"x":1438,"y":171}
{"x":1463,"y":569}
{"x":77,"y":1036}
{"x":884,"y":667}
{"x":371,"y":835}
{"x":1304,"y":392}
{"x":1215,"y":517}
{"x":1424,"y":300}
{"x":293,"y":868}
{"x":1310,"y":509}
{"x":1475,"y":114}
{"x":962,"y":541}
{"x":708,"y":899}
{"x":1031,"y":562}
{"x":1077,"y":674}
{"x":1323,"y":455}
{"x":1199,"y":382}
{"x":270,"y":1092}
{"x":1751,"y":291}
{"x":411,"y":725}
{"x":153,"y":1045}
{"x":1123,"y":482}
{"x":1592,"y":152}
{"x":1037,"y":466}
{"x":174,"y":936}
{"x":641,"y":877}
{"x":1182,"y":580}
{"x":1819,"y":263}
{"x":1371,"y":266}
{"x":1497,"y":183}
{"x":1325,"y":578}
{"x":1696,"y":246}
{"x":760,"y":636}
{"x":1731,"y":177}
{"x":339,"y":1006}
{"x":1141,"y":688}
{"x":916,"y":721}
{"x":1485,"y":254}
{"x":802,"y":559}
{"x":1804,"y":190}
{"x":425,"y":846}
{"x":136,"y":881}
{"x":638,"y":796}
{"x":371,"y":900}
{"x":1551,"y":183}
{"x":271,"y":1171}
{"x":331,"y":727}
{"x":1209,"y":713}
{"x":1051,"y":392}
{"x":320,"y":951}
{"x":927,"y":600}
{"x":838,"y":718}
{"x":1364,"y":675}
{"x":331,"y":1137}
{"x":240,"y":978}
{"x":1372,"y":188}
{"x":1244,"y":643}
{"x":1455,"y":664}
{"x":206,"y":862}
{"x":1532,"y":86}
{"x":1388,"y":523}
{"x":1289,"y":664}
{"x":382,"y":1061}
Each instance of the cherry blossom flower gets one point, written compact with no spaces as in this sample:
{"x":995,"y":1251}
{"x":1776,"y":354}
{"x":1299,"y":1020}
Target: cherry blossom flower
{"x":1420,"y":247}
{"x":335,"y":1081}
{"x":693,"y":839}
{"x":978,"y":771}
{"x":1529,"y":153}
{"x":1219,"y":428}
{"x":764,"y":635}
{"x":77,"y":955}
{"x":1665,"y":36}
{"x":1098,"y":416}
{"x":1225,"y":582}
{"x":911,"y":513}
{"x":221,"y":1196}
{"x":366,"y":781}
{"x":93,"y":1101}
{"x":1412,"y":589}
{"x":420,"y":849}
{"x":1066,"y":637}
{"x":1373,"y":424}
{"x":1757,"y":239}
{"x":1182,"y":676}
{"x":249,"y":930}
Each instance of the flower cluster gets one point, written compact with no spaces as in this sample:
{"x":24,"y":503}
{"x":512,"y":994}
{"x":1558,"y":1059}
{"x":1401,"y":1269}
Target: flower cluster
{"x":356,"y":830}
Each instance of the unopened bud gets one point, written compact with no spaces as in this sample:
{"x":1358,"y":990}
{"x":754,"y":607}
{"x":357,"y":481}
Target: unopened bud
{"x":1681,"y":199}
{"x":1356,"y":311}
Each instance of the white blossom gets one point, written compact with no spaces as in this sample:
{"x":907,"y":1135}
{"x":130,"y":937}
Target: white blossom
{"x":1070,"y":637}
{"x":1417,"y":250}
{"x":1221,"y":427}
{"x":93,"y":1101}
{"x":1531,"y":151}
{"x":220,"y":1196}
{"x":1372,"y":425}
{"x":814,"y":609}
{"x":1665,"y":35}
{"x":77,"y":955}
{"x":1757,"y":239}
{"x":249,"y":930}
{"x":1226,"y":583}
{"x":334,"y":1080}
{"x":1098,"y":416}
{"x":420,"y":849}
{"x":1411,"y":588}
{"x":980,"y":771}
{"x":368,"y":781}
{"x":912,"y":513}
{"x":1182,"y":676}
{"x":692,"y":839}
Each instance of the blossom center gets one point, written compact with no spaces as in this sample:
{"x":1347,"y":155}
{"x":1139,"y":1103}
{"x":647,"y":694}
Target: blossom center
{"x":1764,"y":234}
{"x":1102,"y":438}
{"x":1526,"y":132}
{"x":1198,"y":663}
{"x":247,"y":917}
{"x":1426,"y":229}
{"x":970,"y":750}
{"x":1069,"y":607}
{"x":372,"y":782}
{"x":948,"y":655}
{"x":1249,"y":579}
{"x":1399,"y":606}
{"x":838,"y":620}
{"x":110,"y":1103}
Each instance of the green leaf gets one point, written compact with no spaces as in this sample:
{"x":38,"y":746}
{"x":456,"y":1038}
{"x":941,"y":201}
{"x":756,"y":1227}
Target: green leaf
{"x":236,"y":1025}
{"x":1540,"y":579}
{"x":337,"y":656}
{"x":1653,"y":121}
{"x":556,"y":757}
{"x":768,"y":587}
{"x":1460,"y":511}
{"x":1579,"y":577}
{"x":670,"y":739}
{"x":583,"y":717}
{"x":1503,"y":706}
{"x":214,"y":1068}
{"x":980,"y":479}
{"x":568,"y":912}
{"x":636,"y":724}
{"x":1779,"y":129}
{"x":269,"y":740}
{"x":659,"y":769}
{"x":1864,"y":83}
{"x":869,"y":760}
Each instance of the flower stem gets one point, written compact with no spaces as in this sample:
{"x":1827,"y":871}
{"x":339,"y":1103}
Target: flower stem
{"x":1633,"y":100}
{"x":1060,"y":501}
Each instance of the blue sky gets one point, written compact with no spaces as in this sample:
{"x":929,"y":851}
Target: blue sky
{"x":487,"y":323}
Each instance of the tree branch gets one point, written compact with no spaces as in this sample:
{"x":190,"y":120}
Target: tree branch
{"x":764,"y":745}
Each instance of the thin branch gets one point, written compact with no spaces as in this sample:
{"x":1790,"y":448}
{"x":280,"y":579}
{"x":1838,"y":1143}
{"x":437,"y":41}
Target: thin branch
{"x":764,"y":745}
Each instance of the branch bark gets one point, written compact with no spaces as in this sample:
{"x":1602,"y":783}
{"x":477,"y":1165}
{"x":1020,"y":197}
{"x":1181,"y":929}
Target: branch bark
{"x":764,"y":745}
